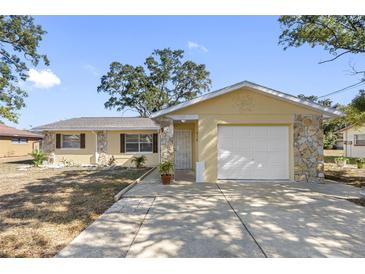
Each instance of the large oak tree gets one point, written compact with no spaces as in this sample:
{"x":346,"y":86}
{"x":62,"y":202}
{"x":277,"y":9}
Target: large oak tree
{"x":19,"y":41}
{"x":164,"y":80}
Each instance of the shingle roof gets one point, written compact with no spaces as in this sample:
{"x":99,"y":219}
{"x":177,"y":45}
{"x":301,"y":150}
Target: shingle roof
{"x":101,"y":123}
{"x":13,"y":132}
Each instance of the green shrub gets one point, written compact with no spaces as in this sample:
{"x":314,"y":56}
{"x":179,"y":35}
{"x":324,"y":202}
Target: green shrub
{"x":360,"y":162}
{"x":166,"y":167}
{"x":139,"y":161}
{"x":38,"y":157}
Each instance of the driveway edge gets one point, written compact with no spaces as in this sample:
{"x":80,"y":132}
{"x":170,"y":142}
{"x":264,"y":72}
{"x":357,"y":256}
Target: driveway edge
{"x":126,"y":189}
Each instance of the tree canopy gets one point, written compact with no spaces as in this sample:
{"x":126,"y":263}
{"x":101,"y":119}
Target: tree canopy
{"x":19,"y":41}
{"x":164,"y":80}
{"x":338,"y":35}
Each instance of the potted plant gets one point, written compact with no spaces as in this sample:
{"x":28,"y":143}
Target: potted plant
{"x":341,"y":161}
{"x":166,"y":172}
{"x":360,"y":163}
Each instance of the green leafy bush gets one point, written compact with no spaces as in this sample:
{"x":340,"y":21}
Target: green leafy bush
{"x":38,"y":157}
{"x":139,"y":161}
{"x":360,"y":162}
{"x":166,"y":167}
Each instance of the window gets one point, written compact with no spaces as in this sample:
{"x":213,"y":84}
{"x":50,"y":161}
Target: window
{"x":360,"y":140}
{"x":138,"y":142}
{"x":16,"y":140}
{"x":71,"y":141}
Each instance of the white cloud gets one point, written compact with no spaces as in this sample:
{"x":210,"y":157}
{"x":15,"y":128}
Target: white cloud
{"x":194,"y":45}
{"x":43,"y":78}
{"x":91,"y":69}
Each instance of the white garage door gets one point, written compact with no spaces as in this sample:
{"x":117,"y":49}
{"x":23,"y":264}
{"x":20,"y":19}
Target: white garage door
{"x":253,"y":152}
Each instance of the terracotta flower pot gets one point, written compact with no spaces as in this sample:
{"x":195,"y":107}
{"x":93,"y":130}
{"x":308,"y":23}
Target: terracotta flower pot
{"x":166,"y":179}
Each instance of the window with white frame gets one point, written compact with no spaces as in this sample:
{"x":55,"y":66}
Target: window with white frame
{"x":70,"y":141}
{"x":359,"y":139}
{"x":17,"y":140}
{"x":138,"y":142}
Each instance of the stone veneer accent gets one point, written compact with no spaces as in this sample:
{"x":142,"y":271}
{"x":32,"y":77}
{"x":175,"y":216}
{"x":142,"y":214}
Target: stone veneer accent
{"x":49,"y":142}
{"x":102,"y":147}
{"x":308,"y":148}
{"x":102,"y":142}
{"x":166,"y":139}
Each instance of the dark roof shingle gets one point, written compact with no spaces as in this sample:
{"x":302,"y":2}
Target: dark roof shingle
{"x":101,"y":123}
{"x":13,"y":132}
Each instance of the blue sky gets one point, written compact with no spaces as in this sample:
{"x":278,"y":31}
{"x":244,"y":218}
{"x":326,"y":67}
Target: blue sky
{"x":81,"y":48}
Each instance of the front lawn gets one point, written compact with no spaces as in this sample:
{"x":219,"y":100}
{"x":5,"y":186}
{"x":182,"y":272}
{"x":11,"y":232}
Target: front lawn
{"x":41,"y":211}
{"x":349,"y":174}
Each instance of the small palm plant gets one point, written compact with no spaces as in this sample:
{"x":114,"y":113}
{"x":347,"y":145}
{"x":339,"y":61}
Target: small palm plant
{"x":360,"y":163}
{"x":38,"y":157}
{"x":139,"y":161}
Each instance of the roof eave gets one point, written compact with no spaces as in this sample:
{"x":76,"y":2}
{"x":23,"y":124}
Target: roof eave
{"x":40,"y":129}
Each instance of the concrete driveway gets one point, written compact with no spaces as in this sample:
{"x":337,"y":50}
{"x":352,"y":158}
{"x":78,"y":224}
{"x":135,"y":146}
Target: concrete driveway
{"x":229,"y":219}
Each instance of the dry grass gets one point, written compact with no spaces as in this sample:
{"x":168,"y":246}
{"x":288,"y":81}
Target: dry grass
{"x":333,"y":152}
{"x":350,"y":174}
{"x":41,"y":211}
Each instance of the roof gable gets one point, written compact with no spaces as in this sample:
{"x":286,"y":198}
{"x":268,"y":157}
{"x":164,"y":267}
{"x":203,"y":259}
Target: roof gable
{"x":327,"y":111}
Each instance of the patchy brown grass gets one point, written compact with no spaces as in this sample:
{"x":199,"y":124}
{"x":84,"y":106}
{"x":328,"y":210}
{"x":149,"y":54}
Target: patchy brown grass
{"x":350,"y":174}
{"x":333,"y":152}
{"x":41,"y":211}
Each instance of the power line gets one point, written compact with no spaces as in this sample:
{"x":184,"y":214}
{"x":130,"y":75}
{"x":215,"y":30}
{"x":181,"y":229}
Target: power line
{"x":342,"y":89}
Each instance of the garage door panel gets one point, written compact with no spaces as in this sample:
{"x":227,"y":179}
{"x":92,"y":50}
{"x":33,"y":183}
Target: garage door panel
{"x":253,"y":152}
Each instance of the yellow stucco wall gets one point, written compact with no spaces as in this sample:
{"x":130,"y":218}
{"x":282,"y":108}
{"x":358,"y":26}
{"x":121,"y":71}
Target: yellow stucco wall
{"x":9,"y":149}
{"x":152,"y":159}
{"x":78,"y":156}
{"x":241,"y":107}
{"x":87,"y":155}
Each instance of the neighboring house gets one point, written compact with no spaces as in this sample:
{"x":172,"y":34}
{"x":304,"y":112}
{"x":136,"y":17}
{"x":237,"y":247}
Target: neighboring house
{"x":354,"y":141}
{"x":244,"y":131}
{"x":15,"y":142}
{"x":84,"y":140}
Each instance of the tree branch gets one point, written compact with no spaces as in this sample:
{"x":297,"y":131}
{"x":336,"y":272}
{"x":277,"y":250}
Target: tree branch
{"x":334,"y":58}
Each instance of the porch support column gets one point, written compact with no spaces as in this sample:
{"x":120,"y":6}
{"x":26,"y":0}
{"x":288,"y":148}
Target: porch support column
{"x":166,"y":139}
{"x":101,"y":156}
{"x":308,"y":148}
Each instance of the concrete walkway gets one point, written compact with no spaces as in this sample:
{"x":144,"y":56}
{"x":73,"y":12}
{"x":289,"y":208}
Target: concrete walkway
{"x":229,"y":219}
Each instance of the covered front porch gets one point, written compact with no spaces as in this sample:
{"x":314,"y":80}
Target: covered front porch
{"x":179,"y":144}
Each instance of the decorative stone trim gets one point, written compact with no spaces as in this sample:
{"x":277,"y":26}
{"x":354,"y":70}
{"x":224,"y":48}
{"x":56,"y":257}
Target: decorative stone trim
{"x":166,"y":139}
{"x":49,"y":142}
{"x":308,"y":148}
{"x":102,"y":142}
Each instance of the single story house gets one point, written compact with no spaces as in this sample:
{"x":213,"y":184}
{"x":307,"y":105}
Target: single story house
{"x":354,"y":141}
{"x":15,"y":142}
{"x":244,"y":131}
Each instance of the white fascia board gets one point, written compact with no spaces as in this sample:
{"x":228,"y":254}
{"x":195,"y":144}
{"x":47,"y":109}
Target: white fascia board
{"x":98,"y":129}
{"x":189,"y":117}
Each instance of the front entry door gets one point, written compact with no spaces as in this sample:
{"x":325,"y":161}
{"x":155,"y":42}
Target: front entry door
{"x":182,"y":149}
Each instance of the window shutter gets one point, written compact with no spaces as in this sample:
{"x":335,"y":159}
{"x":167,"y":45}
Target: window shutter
{"x":58,"y":140}
{"x":82,"y":140}
{"x":122,"y":143}
{"x":155,"y":143}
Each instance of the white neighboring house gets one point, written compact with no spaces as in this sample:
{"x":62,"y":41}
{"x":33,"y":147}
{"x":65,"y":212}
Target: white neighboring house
{"x":354,"y":141}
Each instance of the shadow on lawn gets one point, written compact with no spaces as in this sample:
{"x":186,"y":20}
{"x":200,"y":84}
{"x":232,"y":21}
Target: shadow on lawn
{"x":70,"y":198}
